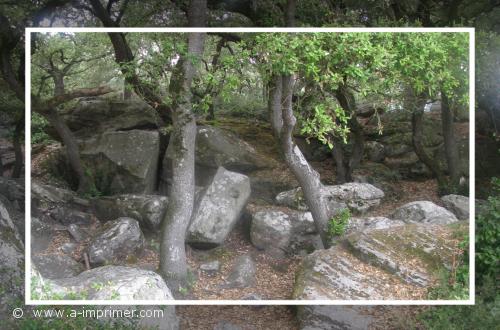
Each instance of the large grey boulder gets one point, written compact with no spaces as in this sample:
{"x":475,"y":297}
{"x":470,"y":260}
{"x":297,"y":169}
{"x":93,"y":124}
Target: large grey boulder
{"x":220,"y":206}
{"x":113,"y":283}
{"x":11,"y":264}
{"x":13,"y":190}
{"x":294,"y":199}
{"x":217,"y":147}
{"x":413,"y":252}
{"x":54,"y":266}
{"x":242,"y":274}
{"x":359,"y":197}
{"x":277,"y":232}
{"x":149,"y":210}
{"x":335,"y":274}
{"x":271,"y":231}
{"x":68,"y":216}
{"x":44,"y":195}
{"x":424,"y":212}
{"x":370,"y":223}
{"x":93,"y":117}
{"x":118,"y":240}
{"x":457,"y":204}
{"x":123,"y":162}
{"x":334,"y":318}
{"x":42,"y":234}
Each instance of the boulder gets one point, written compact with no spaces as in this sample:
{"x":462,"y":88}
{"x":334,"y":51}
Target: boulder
{"x":68,"y":248}
{"x":118,"y":240}
{"x":271,"y":231}
{"x":77,"y":233}
{"x":220,"y":206}
{"x":123,"y":162}
{"x":11,"y":264}
{"x":457,"y":204}
{"x":276,"y":232}
{"x":293,"y":198}
{"x":424,"y":212}
{"x":334,"y":318}
{"x":44,"y":195}
{"x":113,"y":283}
{"x":149,"y":210}
{"x":42,"y":234}
{"x":359,"y":197}
{"x":217,"y":147}
{"x":68,"y":216}
{"x":366,"y":224}
{"x":16,"y":214}
{"x":375,"y":151}
{"x":54,"y":266}
{"x":93,"y":117}
{"x":242,"y":273}
{"x":335,"y":274}
{"x":13,"y":190}
{"x":413,"y":252}
{"x":210,"y":268}
{"x":302,"y":222}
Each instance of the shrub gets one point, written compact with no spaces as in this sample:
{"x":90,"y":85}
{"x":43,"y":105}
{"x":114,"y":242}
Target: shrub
{"x":338,"y":224}
{"x":38,"y":126}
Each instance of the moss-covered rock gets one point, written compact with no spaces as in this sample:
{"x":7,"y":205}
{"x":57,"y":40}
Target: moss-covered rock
{"x":413,"y":252}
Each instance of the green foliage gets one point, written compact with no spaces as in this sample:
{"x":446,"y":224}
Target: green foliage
{"x":486,"y":311}
{"x":454,"y":284}
{"x":488,"y":235}
{"x":338,"y":224}
{"x":483,"y":315}
{"x":38,"y":126}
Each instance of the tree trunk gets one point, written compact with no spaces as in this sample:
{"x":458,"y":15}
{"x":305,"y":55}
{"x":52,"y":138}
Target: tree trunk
{"x":450,"y":144}
{"x":173,"y":263}
{"x":283,"y":122}
{"x":58,"y":83}
{"x":417,"y":139}
{"x":346,"y":165}
{"x":18,"y":165}
{"x":84,"y":181}
{"x":338,"y":156}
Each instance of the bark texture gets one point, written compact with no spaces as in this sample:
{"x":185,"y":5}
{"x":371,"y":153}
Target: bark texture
{"x":450,"y":144}
{"x":173,"y":263}
{"x":417,"y":104}
{"x":346,"y":164}
{"x":283,"y":122}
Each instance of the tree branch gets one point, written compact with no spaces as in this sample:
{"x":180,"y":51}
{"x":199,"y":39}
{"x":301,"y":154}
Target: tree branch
{"x":83,"y":92}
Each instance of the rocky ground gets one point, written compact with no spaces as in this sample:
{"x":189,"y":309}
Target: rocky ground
{"x":251,"y":236}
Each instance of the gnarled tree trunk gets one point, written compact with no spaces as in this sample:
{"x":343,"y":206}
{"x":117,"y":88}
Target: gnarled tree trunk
{"x":346,"y":165}
{"x":450,"y":144}
{"x":173,"y":263}
{"x":417,"y":105}
{"x":283,"y":122}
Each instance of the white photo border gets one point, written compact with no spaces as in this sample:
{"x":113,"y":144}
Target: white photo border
{"x":470,"y":301}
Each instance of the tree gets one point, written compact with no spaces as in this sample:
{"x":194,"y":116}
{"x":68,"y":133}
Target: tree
{"x":173,"y":264}
{"x":433,"y":66}
{"x":60,"y":57}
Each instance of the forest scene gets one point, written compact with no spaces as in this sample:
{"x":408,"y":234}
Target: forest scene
{"x":250,"y":166}
{"x":262,"y":221}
